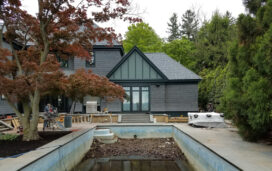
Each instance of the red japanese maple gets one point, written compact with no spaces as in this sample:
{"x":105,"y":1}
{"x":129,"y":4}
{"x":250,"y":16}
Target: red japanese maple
{"x":29,"y":70}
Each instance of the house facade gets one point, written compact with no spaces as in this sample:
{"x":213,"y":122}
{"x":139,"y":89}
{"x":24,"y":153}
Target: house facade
{"x":154,"y":82}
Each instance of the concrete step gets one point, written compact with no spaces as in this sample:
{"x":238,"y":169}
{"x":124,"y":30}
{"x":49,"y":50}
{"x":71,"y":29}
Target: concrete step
{"x":101,"y":131}
{"x":135,"y":120}
{"x":106,"y":141}
{"x":136,"y":117}
{"x":108,"y":136}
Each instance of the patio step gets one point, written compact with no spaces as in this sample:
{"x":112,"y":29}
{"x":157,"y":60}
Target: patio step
{"x":135,"y":118}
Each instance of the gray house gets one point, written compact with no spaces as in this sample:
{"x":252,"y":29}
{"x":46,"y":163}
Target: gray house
{"x":154,"y":82}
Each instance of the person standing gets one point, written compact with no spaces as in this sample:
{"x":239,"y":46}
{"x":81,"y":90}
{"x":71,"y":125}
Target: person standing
{"x":46,"y":116}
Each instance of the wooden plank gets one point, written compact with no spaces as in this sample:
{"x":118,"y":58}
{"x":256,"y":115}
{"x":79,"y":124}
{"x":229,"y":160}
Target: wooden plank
{"x":5,"y":124}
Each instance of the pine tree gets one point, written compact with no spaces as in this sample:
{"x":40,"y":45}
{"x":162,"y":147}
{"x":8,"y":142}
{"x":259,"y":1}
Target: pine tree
{"x":189,"y":25}
{"x":173,"y":28}
{"x":247,"y":98}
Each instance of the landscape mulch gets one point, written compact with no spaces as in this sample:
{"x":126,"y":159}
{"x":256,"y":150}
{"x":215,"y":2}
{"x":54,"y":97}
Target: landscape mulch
{"x":17,"y":146}
{"x":159,"y":148}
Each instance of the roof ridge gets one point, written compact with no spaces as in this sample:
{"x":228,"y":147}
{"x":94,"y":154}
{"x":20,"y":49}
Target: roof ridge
{"x":154,"y":52}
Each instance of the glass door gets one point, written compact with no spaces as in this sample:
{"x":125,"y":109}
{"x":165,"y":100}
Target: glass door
{"x":137,"y":99}
{"x":145,"y":98}
{"x":126,"y":102}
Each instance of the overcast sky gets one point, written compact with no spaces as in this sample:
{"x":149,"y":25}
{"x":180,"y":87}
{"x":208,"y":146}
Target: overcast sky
{"x":157,"y":12}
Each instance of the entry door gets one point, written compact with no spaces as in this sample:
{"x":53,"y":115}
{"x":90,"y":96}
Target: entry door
{"x":135,"y":99}
{"x":138,"y":99}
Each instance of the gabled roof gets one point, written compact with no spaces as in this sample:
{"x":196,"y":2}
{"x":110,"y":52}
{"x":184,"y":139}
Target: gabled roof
{"x":171,"y":68}
{"x":135,"y":49}
{"x":168,"y":68}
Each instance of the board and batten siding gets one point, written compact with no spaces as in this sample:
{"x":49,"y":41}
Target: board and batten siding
{"x":135,"y":68}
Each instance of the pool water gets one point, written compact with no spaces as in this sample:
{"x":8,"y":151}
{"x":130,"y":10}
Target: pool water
{"x":132,"y":165}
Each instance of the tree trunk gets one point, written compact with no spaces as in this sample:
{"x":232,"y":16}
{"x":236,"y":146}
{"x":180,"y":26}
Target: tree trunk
{"x":30,"y":124}
{"x":72,"y":110}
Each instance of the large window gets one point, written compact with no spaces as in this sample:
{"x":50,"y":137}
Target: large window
{"x":63,"y":62}
{"x":126,"y":102}
{"x":91,"y":62}
{"x":145,"y":98}
{"x":137,"y":99}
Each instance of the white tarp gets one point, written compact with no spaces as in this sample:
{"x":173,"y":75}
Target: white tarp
{"x":207,"y":119}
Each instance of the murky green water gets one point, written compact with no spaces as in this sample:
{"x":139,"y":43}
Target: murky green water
{"x":132,"y":165}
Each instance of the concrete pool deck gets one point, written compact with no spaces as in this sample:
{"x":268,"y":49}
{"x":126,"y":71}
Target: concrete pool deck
{"x":224,"y":141}
{"x":227,"y":143}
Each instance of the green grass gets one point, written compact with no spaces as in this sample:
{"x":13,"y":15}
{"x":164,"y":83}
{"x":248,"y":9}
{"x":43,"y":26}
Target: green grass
{"x":8,"y":137}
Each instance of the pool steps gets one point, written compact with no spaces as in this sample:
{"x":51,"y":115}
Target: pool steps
{"x":105,"y":136}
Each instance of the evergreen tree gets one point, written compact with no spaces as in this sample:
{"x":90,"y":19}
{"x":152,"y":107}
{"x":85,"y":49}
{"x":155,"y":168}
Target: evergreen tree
{"x":173,"y":28}
{"x":248,"y":96}
{"x":211,"y":57}
{"x":189,"y":25}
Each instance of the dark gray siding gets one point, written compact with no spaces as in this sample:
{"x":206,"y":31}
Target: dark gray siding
{"x":113,"y":106}
{"x":105,"y":60}
{"x":166,"y":98}
{"x":157,"y":98}
{"x":181,"y":97}
{"x":79,"y":63}
{"x":4,"y":107}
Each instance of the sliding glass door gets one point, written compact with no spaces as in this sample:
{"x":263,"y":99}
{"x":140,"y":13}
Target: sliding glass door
{"x":138,"y":99}
{"x":126,"y":102}
{"x":145,"y":98}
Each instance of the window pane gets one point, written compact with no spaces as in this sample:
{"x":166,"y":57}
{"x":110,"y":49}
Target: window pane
{"x":144,"y":88}
{"x":145,"y":98}
{"x":136,"y":100}
{"x":135,"y":88}
{"x":91,"y":62}
{"x":126,"y":102}
{"x":126,"y":88}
